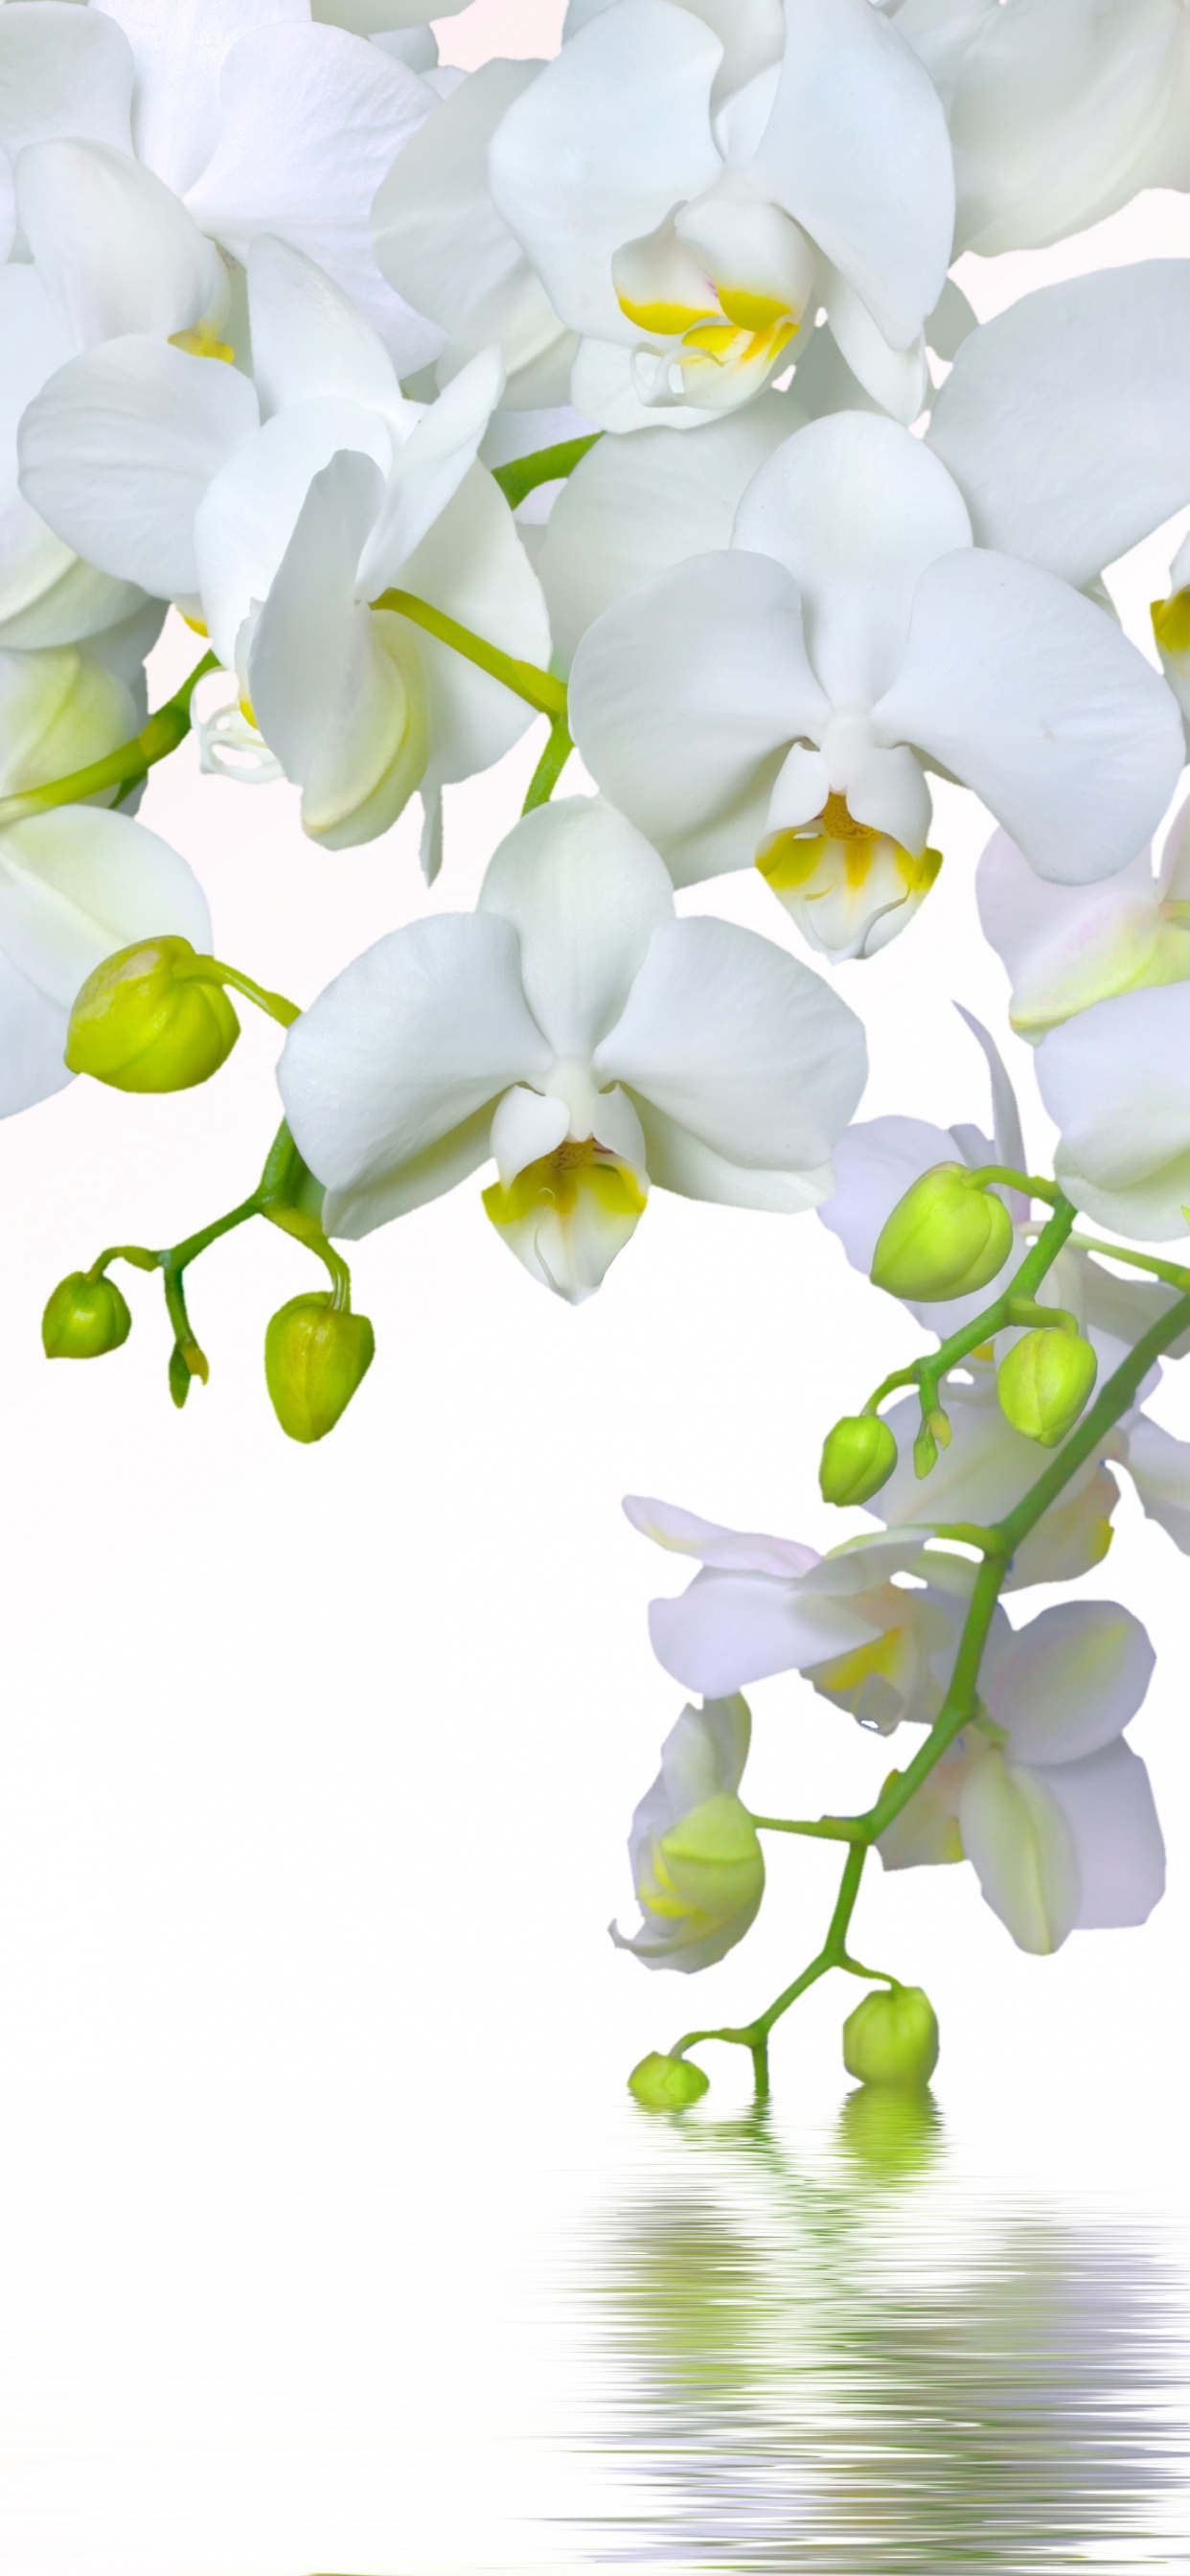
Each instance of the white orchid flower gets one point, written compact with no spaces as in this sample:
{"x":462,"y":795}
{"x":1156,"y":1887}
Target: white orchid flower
{"x":279,"y":512}
{"x":986,"y":1470}
{"x":255,"y":118}
{"x":765,"y":701}
{"x":1066,"y":947}
{"x":1060,"y":111}
{"x":1040,"y":1793}
{"x":75,"y":884}
{"x":763,"y":1605}
{"x":443,"y":245}
{"x":697,"y":1865}
{"x":1116,"y":1082}
{"x":686,"y":229}
{"x":574,"y":1030}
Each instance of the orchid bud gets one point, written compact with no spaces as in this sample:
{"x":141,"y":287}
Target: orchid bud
{"x":858,"y":1457}
{"x":947,"y":1236}
{"x":315,"y":1355}
{"x":147,"y":1021}
{"x":667,"y":2083}
{"x":892,"y":2038}
{"x":84,"y":1318}
{"x":1044,"y":1383}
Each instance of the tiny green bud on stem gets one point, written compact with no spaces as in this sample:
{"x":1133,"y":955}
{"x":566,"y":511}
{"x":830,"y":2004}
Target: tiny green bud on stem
{"x":84,"y":1318}
{"x":150,"y":1019}
{"x":892,"y":2038}
{"x":858,"y":1457}
{"x":1044,"y":1382}
{"x":948,"y":1236}
{"x":315,"y":1355}
{"x":667,"y":2083}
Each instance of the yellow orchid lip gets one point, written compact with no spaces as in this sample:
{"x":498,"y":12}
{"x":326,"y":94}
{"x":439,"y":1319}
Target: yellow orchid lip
{"x":202,"y":342}
{"x":789,"y":860}
{"x":1171,"y":622}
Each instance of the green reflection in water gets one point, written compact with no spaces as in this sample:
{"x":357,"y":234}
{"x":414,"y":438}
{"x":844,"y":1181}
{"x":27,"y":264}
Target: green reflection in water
{"x":848,"y":2359}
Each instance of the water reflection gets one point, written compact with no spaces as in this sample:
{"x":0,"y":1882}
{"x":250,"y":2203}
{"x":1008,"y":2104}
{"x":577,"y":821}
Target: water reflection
{"x":846,"y":2357}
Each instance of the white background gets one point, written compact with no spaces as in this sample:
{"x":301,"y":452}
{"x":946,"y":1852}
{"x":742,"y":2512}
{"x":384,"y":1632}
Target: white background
{"x":316,"y":1765}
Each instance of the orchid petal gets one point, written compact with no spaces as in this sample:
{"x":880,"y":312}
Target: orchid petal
{"x":308,"y":338}
{"x":749,"y":1626}
{"x":898,"y":380}
{"x":1070,"y":1682}
{"x":1031,"y":696}
{"x":740,"y":1044}
{"x":1016,"y":1834}
{"x":682,"y":1163}
{"x":472,"y":564}
{"x":115,"y":250}
{"x":856,"y":510}
{"x":584,"y":893}
{"x":63,"y":71}
{"x":854,"y":111}
{"x":119,"y":449}
{"x":728,"y":1550}
{"x":1066,"y":947}
{"x":527,"y":1125}
{"x":1159,"y":1467}
{"x":1111,"y":1816}
{"x":1062,"y":458}
{"x":429,"y":468}
{"x":179,"y":55}
{"x":246,"y":520}
{"x":637,"y":505}
{"x":1116,"y":1080}
{"x":684,"y":698}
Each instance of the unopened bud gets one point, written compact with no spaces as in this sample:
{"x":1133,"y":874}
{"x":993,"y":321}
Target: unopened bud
{"x":84,"y":1318}
{"x":947,"y":1236}
{"x":892,"y":2038}
{"x":667,"y":2083}
{"x":315,"y":1355}
{"x":858,"y":1457}
{"x":1044,"y":1383}
{"x":146,"y":1020}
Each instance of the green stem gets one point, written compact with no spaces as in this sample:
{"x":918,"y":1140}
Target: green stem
{"x":550,"y":766}
{"x":546,"y":465}
{"x":212,"y":969}
{"x":989,"y":1173}
{"x":833,"y":1829}
{"x":538,"y":688}
{"x":124,"y":767}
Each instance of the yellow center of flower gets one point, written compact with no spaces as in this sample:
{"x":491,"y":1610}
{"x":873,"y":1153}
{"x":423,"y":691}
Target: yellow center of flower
{"x":202,"y":342}
{"x":557,"y":1180}
{"x":1171,"y":622}
{"x":835,"y":846}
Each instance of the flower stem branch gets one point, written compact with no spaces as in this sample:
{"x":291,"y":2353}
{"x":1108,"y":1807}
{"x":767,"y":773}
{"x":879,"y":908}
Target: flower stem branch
{"x":538,"y":688}
{"x":550,"y":766}
{"x":1016,"y":1305}
{"x":523,"y":474}
{"x":123,"y":768}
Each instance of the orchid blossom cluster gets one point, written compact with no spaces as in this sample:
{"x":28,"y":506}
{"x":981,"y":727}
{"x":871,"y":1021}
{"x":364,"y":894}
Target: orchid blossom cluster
{"x":632,"y":390}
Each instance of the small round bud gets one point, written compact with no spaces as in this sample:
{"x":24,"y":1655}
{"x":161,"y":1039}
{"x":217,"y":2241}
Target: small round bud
{"x":858,"y":1457}
{"x":1044,"y":1383}
{"x":315,"y":1355}
{"x":892,"y":2038}
{"x":145,"y":1021}
{"x":84,"y":1318}
{"x":946,"y":1237}
{"x":667,"y":2083}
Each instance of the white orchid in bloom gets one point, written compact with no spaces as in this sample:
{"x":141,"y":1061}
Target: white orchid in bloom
{"x":281,"y":511}
{"x":575,"y":1032}
{"x":689,"y":203}
{"x":625,"y":398}
{"x":1040,"y":1793}
{"x":697,"y":1865}
{"x":769,"y":1605}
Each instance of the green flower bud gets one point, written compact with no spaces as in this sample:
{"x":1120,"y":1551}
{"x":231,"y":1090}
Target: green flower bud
{"x":947,"y":1236}
{"x":892,"y":2038}
{"x":1044,"y":1383}
{"x":858,"y":1457}
{"x":145,"y":1021}
{"x":667,"y":2083}
{"x":315,"y":1355}
{"x":84,"y":1318}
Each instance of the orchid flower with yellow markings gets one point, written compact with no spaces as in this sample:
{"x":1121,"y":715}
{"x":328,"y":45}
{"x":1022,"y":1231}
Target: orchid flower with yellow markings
{"x":255,"y":118}
{"x":697,"y":1865}
{"x":576,"y":1032}
{"x":280,"y":510}
{"x":748,"y":702}
{"x":1065,"y":947}
{"x":689,"y":204}
{"x":763,"y":1605}
{"x":1040,"y":1793}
